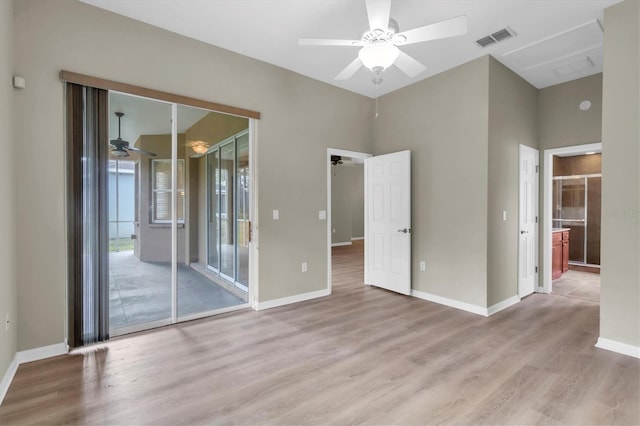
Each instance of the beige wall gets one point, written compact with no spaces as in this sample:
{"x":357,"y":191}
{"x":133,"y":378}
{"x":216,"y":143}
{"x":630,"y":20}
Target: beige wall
{"x":562,"y":123}
{"x":347,"y":203}
{"x":296,"y":112}
{"x":443,"y":120}
{"x":512,"y":121}
{"x":620,"y":250}
{"x":8,"y":290}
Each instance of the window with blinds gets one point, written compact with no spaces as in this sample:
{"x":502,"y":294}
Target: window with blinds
{"x":161,"y":191}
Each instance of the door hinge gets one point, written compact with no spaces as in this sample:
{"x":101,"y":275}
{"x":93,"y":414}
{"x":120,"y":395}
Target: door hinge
{"x":250,"y":232}
{"x":537,"y":169}
{"x":536,"y":219}
{"x":536,"y":269}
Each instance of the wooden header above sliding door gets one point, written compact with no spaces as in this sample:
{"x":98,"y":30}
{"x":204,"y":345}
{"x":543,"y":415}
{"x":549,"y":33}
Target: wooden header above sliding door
{"x":102,"y":83}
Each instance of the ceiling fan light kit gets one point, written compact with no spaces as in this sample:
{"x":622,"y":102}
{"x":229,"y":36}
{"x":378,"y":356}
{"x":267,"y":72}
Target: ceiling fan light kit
{"x":378,"y":56}
{"x":379,"y":44}
{"x":200,"y":147}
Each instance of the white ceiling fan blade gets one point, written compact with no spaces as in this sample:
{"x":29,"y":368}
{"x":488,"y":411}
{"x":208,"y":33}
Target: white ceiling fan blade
{"x":328,"y":42}
{"x":378,"y":12}
{"x":408,"y":65}
{"x":449,"y":28}
{"x":350,"y":70}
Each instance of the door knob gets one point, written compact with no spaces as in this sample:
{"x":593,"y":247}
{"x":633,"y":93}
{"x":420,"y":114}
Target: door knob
{"x":404,"y":230}
{"x":523,"y":232}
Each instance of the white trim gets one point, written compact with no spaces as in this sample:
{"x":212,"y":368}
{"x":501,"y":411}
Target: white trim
{"x":357,"y":238}
{"x":274,"y":303}
{"x":474,"y":309}
{"x":547,"y":193}
{"x":341,"y":152}
{"x":8,"y":378}
{"x":208,"y":314}
{"x":494,"y":309}
{"x":30,"y":355}
{"x":43,"y":352}
{"x":347,"y":243}
{"x":253,"y":213}
{"x":619,"y":347}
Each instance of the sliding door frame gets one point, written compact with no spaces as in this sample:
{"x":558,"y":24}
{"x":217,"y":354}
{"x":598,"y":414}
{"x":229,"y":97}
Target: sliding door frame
{"x":175,"y":100}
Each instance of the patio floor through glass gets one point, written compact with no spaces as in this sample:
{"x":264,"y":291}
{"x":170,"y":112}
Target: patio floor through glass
{"x":140,"y":292}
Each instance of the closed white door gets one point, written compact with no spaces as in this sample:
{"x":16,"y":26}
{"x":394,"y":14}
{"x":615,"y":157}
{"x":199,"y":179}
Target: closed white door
{"x":388,"y":221}
{"x":528,"y":218}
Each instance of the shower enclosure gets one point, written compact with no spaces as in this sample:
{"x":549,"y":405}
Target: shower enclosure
{"x":576,"y":206}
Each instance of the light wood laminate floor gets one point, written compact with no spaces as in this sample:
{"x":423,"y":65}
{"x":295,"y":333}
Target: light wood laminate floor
{"x":360,"y":356}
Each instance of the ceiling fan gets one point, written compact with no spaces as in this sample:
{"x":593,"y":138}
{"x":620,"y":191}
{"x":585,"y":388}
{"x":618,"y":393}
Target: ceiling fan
{"x":121,"y":147}
{"x":379,"y":44}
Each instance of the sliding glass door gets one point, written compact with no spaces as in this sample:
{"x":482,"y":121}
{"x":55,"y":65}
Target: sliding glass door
{"x":229,"y":225}
{"x":172,"y":251}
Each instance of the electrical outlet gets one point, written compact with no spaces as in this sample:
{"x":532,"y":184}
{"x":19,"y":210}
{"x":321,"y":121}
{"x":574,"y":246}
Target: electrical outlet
{"x":423,"y":266}
{"x":304,"y":266}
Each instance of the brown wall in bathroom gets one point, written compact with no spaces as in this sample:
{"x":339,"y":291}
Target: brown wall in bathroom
{"x":577,"y":165}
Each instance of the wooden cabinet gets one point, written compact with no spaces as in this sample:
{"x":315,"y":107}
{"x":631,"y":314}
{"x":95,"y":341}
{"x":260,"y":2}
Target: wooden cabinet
{"x":565,"y":251}
{"x":556,"y":255}
{"x":559,"y":253}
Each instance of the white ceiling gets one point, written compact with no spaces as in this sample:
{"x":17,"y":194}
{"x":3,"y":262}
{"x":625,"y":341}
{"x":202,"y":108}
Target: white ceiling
{"x":268,"y":30}
{"x":147,"y":117}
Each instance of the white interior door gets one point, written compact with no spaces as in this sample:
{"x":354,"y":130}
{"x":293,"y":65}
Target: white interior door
{"x":388,"y":221}
{"x":528,"y":217}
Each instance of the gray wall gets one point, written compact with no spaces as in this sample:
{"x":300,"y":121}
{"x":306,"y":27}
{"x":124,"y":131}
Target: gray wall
{"x":562,"y":123}
{"x":8,"y":289}
{"x":443,"y":120}
{"x":347,"y":203}
{"x":357,"y":199}
{"x":512,"y":121}
{"x":620,"y":250}
{"x":296,"y":111}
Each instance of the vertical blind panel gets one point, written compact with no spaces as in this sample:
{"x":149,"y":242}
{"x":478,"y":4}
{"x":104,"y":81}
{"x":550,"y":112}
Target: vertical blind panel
{"x":88,"y":218}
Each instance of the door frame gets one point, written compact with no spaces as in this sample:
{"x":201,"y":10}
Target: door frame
{"x":344,"y":153}
{"x":547,"y":191}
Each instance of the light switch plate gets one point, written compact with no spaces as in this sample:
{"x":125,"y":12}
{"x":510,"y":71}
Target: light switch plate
{"x":276,"y":215}
{"x":322,"y":215}
{"x":504,"y":215}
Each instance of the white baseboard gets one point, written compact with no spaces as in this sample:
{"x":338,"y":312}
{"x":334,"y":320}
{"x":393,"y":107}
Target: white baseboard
{"x":30,"y":355}
{"x":619,"y":347}
{"x":357,"y":238}
{"x":502,"y":305}
{"x":474,"y":309}
{"x":43,"y":352}
{"x":8,"y":377}
{"x":268,"y":304}
{"x":346,"y":243}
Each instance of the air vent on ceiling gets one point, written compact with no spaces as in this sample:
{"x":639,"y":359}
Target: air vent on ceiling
{"x":500,"y":35}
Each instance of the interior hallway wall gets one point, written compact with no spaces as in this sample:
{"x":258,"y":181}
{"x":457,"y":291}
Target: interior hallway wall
{"x":296,"y":111}
{"x":444,"y":121}
{"x":620,"y":249}
{"x":513,"y":104}
{"x":562,"y":123}
{"x":8,"y":188}
{"x":347,"y":203}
